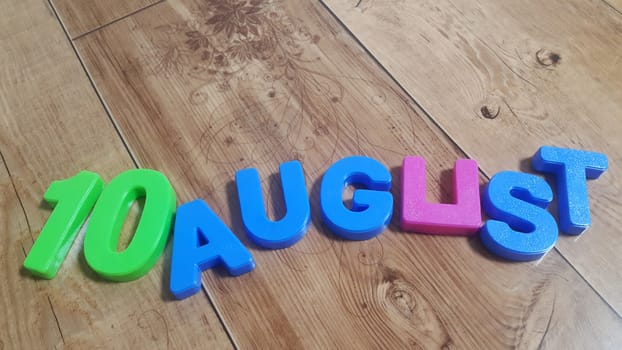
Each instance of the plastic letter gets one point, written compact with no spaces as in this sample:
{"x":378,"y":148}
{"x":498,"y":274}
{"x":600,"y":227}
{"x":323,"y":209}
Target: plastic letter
{"x":201,"y":241}
{"x":371,"y":207}
{"x":571,"y":168}
{"x":464,"y":217}
{"x":293,"y":226}
{"x":520,"y":227}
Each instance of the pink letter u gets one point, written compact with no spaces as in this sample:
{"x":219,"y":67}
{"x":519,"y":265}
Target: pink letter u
{"x":463,"y":217}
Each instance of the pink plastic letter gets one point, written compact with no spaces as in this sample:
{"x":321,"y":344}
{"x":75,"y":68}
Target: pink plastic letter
{"x":463,"y":217}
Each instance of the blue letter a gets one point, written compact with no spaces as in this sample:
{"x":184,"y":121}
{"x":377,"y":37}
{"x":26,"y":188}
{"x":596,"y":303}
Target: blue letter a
{"x":201,"y":241}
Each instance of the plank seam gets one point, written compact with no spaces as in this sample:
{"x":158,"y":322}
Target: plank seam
{"x":428,"y":115}
{"x":220,"y":316}
{"x":97,"y":93}
{"x":6,"y":166}
{"x":56,"y":318}
{"x":19,"y":199}
{"x":123,"y":139}
{"x":111,"y":22}
{"x":612,"y":7}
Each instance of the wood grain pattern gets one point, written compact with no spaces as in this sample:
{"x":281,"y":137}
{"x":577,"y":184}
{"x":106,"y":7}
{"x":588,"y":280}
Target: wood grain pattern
{"x":51,"y":126}
{"x":26,"y":316}
{"x":616,"y":5}
{"x":204,"y":88}
{"x":83,"y":16}
{"x":503,"y":79}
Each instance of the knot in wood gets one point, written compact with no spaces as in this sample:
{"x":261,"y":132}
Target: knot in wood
{"x":547,"y":58}
{"x":489,"y":112}
{"x":402,"y":296}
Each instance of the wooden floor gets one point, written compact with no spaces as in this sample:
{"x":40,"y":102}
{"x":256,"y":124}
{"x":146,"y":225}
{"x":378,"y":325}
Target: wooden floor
{"x":199,"y":89}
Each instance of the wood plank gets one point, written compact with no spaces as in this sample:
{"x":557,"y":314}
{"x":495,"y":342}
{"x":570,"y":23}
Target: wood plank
{"x":200,"y":99}
{"x":83,"y":16}
{"x":616,"y":5}
{"x":19,"y":329}
{"x":503,"y":79}
{"x":51,"y":126}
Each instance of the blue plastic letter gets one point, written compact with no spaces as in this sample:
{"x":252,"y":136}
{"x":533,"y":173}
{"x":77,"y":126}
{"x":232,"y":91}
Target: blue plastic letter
{"x":571,"y":167}
{"x":263,"y":231}
{"x":201,"y":241}
{"x":371,"y":208}
{"x":521,"y":229}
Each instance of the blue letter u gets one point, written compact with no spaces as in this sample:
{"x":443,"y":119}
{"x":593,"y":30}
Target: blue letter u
{"x":260,"y":229}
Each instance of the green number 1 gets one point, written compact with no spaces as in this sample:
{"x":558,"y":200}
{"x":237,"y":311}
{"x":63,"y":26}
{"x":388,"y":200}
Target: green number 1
{"x":72,"y":200}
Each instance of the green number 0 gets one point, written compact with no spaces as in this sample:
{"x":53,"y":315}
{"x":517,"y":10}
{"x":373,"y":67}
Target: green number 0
{"x":102,"y":234}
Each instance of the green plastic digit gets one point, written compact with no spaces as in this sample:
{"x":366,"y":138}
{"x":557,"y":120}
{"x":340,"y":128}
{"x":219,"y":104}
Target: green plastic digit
{"x":72,"y":200}
{"x":102,"y":235}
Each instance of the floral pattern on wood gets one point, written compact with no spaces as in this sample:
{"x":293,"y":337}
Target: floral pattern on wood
{"x":270,"y":96}
{"x":225,"y":36}
{"x":278,"y":105}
